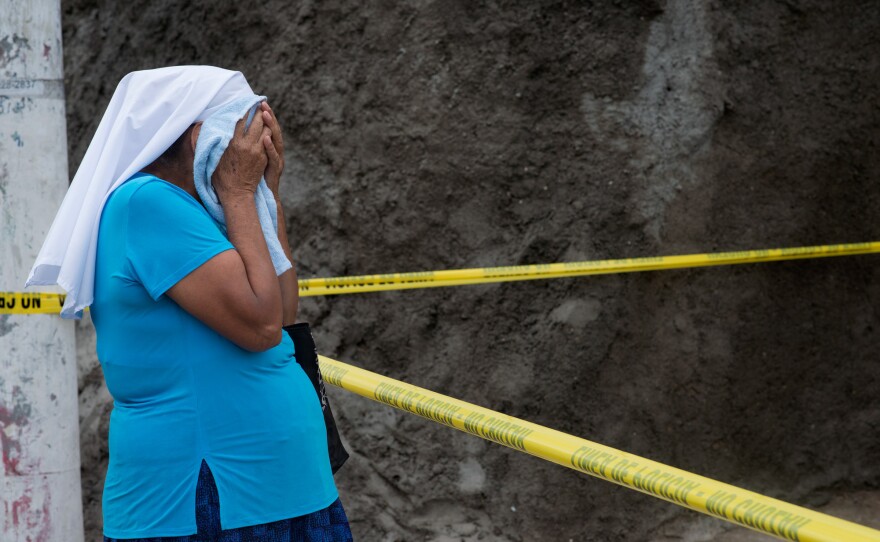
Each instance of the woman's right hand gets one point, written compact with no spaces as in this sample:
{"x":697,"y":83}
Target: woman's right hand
{"x":242,"y":165}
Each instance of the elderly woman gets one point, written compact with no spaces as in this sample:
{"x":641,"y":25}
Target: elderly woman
{"x":216,"y":432}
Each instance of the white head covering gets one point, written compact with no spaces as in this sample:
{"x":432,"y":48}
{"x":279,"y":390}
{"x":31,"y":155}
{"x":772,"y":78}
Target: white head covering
{"x":148,"y":112}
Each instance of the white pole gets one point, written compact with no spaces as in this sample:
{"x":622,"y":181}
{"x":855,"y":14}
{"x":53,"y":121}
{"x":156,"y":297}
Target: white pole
{"x":40,"y":494}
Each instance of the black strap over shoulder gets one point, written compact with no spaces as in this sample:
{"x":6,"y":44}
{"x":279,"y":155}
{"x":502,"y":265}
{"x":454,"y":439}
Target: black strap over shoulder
{"x":307,"y":357}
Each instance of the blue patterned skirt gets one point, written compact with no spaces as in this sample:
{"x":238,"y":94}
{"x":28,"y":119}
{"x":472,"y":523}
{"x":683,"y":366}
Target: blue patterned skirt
{"x":327,"y":525}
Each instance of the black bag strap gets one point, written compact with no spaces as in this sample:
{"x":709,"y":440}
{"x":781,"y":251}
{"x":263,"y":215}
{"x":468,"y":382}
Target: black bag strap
{"x":307,"y":357}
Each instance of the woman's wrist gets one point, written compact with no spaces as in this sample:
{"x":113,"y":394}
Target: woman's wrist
{"x":231,"y":196}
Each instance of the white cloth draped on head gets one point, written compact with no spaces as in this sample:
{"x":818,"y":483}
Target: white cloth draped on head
{"x":148,"y":112}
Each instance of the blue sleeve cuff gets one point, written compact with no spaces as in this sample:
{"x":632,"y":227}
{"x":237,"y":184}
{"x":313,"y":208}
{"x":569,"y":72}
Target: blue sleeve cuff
{"x":194,"y":263}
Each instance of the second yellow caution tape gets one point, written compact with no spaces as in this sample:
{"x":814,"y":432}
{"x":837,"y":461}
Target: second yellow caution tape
{"x":43,"y":303}
{"x":724,"y":501}
{"x":485,"y":275}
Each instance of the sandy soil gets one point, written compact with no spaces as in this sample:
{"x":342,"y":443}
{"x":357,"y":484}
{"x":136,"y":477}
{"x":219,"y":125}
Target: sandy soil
{"x":431,"y":135}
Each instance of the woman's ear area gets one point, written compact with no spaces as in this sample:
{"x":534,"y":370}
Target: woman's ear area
{"x":194,"y":134}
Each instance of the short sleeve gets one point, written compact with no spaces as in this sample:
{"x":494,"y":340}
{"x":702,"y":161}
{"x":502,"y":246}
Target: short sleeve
{"x":168,"y":235}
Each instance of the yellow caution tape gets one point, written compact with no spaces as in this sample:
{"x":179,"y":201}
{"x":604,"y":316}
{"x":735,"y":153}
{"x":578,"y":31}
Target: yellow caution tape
{"x":39,"y":303}
{"x":30,"y":303}
{"x":484,"y":275}
{"x":730,"y":503}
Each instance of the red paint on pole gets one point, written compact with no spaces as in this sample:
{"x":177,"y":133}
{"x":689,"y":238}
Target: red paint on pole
{"x":11,"y":452}
{"x":45,"y":518}
{"x":19,"y":507}
{"x":23,"y":515}
{"x":16,"y":416}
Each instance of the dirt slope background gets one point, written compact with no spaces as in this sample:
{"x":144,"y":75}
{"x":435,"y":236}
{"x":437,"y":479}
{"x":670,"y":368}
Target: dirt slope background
{"x":431,"y":135}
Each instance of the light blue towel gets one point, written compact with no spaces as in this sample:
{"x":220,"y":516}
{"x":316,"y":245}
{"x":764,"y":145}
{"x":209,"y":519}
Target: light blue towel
{"x":217,"y":131}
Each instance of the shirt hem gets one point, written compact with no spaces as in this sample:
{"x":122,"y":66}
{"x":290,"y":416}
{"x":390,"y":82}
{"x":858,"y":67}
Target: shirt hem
{"x":234,"y":523}
{"x":152,"y":533}
{"x":238,"y":523}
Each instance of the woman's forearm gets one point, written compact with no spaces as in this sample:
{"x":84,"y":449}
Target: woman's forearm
{"x":243,"y":229}
{"x":288,"y":280}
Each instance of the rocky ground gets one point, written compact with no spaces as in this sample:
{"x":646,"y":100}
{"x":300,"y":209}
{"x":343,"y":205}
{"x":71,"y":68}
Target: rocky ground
{"x":444,"y":134}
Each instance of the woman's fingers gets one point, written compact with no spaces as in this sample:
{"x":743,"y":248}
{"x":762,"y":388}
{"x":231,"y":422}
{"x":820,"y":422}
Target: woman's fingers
{"x":255,"y":130}
{"x":271,"y":151}
{"x":274,"y":165}
{"x":276,"y":153}
{"x":272,"y":121}
{"x":240,"y":127}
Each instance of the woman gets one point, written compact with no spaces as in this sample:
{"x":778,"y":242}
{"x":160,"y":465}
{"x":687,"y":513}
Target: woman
{"x":216,"y":432}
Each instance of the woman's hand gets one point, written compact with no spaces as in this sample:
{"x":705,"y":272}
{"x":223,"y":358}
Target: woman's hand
{"x":242,"y":165}
{"x":274,"y":146}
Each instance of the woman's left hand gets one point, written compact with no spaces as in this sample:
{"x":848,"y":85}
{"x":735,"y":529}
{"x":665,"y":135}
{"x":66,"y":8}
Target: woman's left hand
{"x":274,"y":149}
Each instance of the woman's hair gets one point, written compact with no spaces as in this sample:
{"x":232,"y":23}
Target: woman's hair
{"x":172,"y":155}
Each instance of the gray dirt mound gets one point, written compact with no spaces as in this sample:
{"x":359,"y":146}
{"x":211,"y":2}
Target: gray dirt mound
{"x":431,"y":135}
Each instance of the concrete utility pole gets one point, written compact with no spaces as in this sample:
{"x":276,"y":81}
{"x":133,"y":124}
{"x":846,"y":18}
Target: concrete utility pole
{"x":40,"y":492}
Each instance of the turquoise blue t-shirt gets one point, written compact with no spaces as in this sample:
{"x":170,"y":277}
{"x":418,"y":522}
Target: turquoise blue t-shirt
{"x":183,"y":393}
